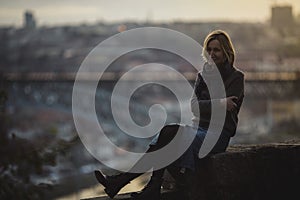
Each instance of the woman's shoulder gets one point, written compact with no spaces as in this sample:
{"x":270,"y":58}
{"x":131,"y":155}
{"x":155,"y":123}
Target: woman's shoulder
{"x":238,"y":73}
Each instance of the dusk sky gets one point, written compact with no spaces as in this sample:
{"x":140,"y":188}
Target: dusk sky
{"x":78,"y":11}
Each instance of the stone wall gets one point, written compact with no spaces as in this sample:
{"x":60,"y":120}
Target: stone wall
{"x":250,"y":172}
{"x":270,"y":171}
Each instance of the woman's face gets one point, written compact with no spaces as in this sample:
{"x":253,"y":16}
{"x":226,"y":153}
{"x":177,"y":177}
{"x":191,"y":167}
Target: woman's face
{"x":215,"y":52}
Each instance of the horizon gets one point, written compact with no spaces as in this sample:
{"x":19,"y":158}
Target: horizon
{"x":92,"y":11}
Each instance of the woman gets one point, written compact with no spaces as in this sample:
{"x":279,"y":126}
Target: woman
{"x":217,"y":49}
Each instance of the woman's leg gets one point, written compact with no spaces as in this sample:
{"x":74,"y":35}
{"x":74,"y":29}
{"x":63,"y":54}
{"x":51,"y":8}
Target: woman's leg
{"x":152,"y":189}
{"x":182,"y":178}
{"x":113,"y":184}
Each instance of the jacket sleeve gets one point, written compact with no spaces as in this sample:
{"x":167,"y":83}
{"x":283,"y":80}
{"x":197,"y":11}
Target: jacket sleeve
{"x":200,"y":102}
{"x":235,"y":88}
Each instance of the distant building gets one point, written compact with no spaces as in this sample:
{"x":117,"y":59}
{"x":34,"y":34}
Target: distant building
{"x":29,"y":20}
{"x":282,"y":17}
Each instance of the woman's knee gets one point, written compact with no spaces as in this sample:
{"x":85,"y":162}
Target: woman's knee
{"x":168,"y":132}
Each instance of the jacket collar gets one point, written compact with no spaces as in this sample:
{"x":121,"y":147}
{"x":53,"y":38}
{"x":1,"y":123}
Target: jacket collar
{"x":225,"y":70}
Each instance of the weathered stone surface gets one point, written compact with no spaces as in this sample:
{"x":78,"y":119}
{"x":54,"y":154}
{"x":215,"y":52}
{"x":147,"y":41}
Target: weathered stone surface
{"x":166,"y":195}
{"x":250,"y":172}
{"x":270,"y":171}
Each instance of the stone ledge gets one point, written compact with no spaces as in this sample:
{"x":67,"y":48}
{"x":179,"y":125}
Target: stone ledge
{"x":269,"y":171}
{"x":166,"y":195}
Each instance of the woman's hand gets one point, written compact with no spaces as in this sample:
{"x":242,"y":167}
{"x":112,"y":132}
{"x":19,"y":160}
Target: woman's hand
{"x":229,"y":102}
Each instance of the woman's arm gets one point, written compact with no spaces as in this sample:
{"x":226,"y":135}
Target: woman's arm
{"x":202,"y":102}
{"x":234,"y":94}
{"x":236,"y":89}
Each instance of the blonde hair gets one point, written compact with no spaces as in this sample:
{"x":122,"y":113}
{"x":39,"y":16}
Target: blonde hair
{"x":225,"y":43}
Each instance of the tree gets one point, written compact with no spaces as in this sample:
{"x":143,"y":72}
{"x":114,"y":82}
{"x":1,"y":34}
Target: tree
{"x":20,"y":158}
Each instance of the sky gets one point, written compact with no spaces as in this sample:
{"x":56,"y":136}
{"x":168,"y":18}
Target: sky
{"x":54,"y":12}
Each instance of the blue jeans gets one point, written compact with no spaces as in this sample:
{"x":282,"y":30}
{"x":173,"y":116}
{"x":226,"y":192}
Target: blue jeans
{"x":191,"y":155}
{"x":189,"y":158}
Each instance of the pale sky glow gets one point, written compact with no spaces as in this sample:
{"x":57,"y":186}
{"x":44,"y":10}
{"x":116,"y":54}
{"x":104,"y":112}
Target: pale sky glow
{"x":50,"y":12}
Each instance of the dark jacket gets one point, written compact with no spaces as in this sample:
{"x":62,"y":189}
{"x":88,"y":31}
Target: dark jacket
{"x":233,"y":81}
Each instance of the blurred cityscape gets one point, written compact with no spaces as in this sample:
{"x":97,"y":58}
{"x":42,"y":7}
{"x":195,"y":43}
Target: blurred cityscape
{"x":39,"y":64}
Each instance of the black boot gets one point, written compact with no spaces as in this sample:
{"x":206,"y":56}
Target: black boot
{"x":113,"y":184}
{"x":150,"y":192}
{"x":183,"y":179}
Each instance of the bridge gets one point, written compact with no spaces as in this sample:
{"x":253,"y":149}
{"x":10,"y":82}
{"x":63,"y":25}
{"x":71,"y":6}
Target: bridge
{"x":156,"y":75}
{"x":278,"y":85}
